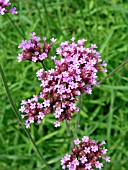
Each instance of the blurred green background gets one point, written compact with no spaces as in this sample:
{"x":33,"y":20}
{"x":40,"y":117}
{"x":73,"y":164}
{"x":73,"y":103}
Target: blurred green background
{"x":104,"y":114}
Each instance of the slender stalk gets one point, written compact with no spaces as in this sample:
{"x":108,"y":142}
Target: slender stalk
{"x":68,"y":128}
{"x":78,"y":116}
{"x":15,"y":26}
{"x":20,"y":120}
{"x":42,"y":62}
{"x":69,"y":133}
{"x":116,"y":69}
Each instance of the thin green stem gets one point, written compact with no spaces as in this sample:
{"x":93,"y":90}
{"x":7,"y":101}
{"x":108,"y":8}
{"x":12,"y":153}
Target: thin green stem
{"x":68,"y":128}
{"x":69,"y":133}
{"x":20,"y":120}
{"x":78,"y":116}
{"x":42,"y":62}
{"x":15,"y":26}
{"x":116,"y":69}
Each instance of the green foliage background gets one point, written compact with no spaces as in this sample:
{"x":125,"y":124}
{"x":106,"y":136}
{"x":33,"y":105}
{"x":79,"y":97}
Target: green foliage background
{"x":104,"y":114}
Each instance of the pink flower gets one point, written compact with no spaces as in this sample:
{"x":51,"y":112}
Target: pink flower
{"x":98,"y":165}
{"x":77,"y":141}
{"x":88,"y":166}
{"x":57,"y":124}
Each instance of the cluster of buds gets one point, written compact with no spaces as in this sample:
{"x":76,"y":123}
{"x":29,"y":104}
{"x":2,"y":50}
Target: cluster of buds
{"x":74,"y":73}
{"x":85,"y":155}
{"x":3,"y":7}
{"x":32,"y":49}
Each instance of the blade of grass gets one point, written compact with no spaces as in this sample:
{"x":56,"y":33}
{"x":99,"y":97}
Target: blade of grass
{"x":39,"y":14}
{"x":46,"y":14}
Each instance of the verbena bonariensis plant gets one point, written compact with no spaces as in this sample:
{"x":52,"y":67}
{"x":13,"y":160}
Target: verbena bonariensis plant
{"x":3,"y":7}
{"x":74,"y":73}
{"x":85,"y":155}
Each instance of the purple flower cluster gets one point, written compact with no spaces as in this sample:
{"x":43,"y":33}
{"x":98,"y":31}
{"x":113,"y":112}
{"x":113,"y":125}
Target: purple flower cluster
{"x":32,"y":49}
{"x":85,"y":155}
{"x":33,"y":110}
{"x":74,"y":73}
{"x":4,"y":4}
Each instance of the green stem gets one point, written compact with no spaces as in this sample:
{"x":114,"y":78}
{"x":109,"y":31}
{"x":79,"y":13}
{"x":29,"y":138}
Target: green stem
{"x":69,"y":133}
{"x":20,"y":120}
{"x":15,"y":26}
{"x":78,"y":117}
{"x":42,"y":62}
{"x":68,"y":128}
{"x":116,"y":69}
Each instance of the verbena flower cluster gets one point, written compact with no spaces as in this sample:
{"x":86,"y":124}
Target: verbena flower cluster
{"x":32,"y":49}
{"x":3,"y":7}
{"x":85,"y":155}
{"x":74,"y":73}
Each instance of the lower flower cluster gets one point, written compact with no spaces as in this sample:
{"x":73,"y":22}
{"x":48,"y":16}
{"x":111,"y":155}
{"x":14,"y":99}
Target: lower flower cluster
{"x":3,"y":7}
{"x":85,"y":155}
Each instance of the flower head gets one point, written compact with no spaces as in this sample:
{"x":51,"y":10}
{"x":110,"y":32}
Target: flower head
{"x":82,"y":160}
{"x":32,"y":110}
{"x":33,"y":50}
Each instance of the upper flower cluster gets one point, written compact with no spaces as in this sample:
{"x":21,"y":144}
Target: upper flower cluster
{"x":74,"y":73}
{"x":3,"y":6}
{"x":85,"y":155}
{"x":32,"y":49}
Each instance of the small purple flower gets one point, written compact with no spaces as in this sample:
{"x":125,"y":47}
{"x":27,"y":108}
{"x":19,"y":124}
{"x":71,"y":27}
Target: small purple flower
{"x":57,"y":124}
{"x":104,"y":150}
{"x":98,"y":164}
{"x":77,"y":141}
{"x":83,"y":159}
{"x":88,"y":166}
{"x":46,"y":103}
{"x":94,"y":148}
{"x":13,"y":10}
{"x":87,"y":149}
{"x":4,"y":4}
{"x":107,"y":158}
{"x":85,"y":139}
